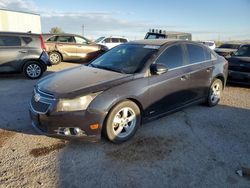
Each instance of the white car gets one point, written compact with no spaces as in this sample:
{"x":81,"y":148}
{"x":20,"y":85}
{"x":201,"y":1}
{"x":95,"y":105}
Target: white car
{"x":111,"y":42}
{"x":210,"y":44}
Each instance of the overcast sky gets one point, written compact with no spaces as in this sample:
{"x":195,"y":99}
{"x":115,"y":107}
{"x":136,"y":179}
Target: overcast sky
{"x":213,"y":19}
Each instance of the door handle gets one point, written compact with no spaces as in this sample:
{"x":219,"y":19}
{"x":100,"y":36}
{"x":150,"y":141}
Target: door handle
{"x":209,"y":69}
{"x":185,"y":77}
{"x":23,"y":51}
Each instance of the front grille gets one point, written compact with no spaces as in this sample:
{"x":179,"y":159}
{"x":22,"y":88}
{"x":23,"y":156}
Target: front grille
{"x":39,"y":106}
{"x":44,"y":94}
{"x":42,"y":103}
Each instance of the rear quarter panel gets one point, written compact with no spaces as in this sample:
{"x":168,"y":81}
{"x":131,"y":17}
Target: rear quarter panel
{"x":220,"y":69}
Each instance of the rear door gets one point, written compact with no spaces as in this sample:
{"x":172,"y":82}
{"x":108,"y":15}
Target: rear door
{"x":66,"y":45}
{"x":201,"y":66}
{"x":170,"y":90}
{"x":11,"y":53}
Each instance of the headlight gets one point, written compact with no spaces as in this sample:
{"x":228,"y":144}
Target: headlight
{"x":80,"y":103}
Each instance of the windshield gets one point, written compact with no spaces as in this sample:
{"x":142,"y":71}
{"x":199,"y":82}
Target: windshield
{"x":126,"y":58}
{"x":242,"y":51}
{"x":99,"y":39}
{"x":154,"y":36}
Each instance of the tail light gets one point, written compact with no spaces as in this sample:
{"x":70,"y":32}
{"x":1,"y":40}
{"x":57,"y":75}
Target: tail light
{"x":42,"y":42}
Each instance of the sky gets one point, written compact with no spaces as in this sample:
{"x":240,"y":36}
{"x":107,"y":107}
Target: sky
{"x":205,"y":19}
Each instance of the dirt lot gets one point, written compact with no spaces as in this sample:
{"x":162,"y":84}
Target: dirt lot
{"x":196,"y":147}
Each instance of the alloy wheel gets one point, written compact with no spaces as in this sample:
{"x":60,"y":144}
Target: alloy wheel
{"x":33,"y":70}
{"x":54,"y":58}
{"x":216,"y":92}
{"x":124,"y":122}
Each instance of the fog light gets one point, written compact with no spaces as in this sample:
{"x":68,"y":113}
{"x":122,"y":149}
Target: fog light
{"x":78,"y":132}
{"x":70,"y":131}
{"x":66,"y":131}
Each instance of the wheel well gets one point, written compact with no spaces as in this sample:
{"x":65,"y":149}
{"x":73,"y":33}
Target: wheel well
{"x":56,"y":52}
{"x":220,"y":77}
{"x":128,"y":99}
{"x":37,"y":61}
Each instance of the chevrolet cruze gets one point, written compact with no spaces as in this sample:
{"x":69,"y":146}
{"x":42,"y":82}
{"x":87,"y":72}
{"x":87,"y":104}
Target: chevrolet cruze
{"x":131,"y":83}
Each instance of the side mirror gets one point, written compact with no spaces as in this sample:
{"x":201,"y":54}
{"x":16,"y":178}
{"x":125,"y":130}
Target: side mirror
{"x":158,"y":69}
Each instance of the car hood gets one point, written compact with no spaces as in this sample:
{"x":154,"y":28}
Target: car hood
{"x":80,"y":81}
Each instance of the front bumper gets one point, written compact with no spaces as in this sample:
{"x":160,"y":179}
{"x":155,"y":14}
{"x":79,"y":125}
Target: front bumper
{"x":238,"y":76}
{"x":45,"y":59}
{"x":51,"y":124}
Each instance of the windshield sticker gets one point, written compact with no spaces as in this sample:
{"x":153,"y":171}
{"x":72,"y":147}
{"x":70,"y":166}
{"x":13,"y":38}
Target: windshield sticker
{"x":152,"y":47}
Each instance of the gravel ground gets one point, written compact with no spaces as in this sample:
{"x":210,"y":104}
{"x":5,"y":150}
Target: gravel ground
{"x":195,"y":147}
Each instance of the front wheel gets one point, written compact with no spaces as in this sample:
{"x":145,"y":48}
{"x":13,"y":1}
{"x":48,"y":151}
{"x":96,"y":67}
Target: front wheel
{"x":122,"y":122}
{"x":215,"y":92}
{"x":33,"y":70}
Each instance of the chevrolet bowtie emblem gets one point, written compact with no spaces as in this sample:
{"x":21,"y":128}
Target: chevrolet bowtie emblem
{"x":37,"y":97}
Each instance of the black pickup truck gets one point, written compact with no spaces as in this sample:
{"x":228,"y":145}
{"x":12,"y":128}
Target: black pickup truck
{"x":239,"y":65}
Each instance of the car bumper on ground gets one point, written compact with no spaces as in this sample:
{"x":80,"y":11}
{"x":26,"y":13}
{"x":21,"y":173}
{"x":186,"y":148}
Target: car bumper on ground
{"x":45,"y":58}
{"x":238,"y":76}
{"x":69,"y":125}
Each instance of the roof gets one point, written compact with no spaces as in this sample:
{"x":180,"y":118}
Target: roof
{"x":157,"y":42}
{"x":2,"y":9}
{"x":61,"y":34}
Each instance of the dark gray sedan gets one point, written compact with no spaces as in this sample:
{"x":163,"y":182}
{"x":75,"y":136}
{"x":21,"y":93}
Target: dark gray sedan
{"x":133,"y":82}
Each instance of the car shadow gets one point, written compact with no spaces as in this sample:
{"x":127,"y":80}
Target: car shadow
{"x":15,"y":94}
{"x":183,"y":143}
{"x":16,"y":76}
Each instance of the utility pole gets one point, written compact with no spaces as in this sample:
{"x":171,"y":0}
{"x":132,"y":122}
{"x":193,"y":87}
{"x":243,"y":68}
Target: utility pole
{"x":82,"y":29}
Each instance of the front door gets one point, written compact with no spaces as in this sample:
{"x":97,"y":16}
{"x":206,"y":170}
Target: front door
{"x":171,"y":89}
{"x":86,"y":51}
{"x":67,"y":46}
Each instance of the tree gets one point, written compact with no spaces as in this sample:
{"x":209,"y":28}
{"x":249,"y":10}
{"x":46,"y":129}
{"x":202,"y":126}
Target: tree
{"x":56,"y":30}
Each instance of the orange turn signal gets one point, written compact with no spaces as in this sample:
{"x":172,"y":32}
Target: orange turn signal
{"x":94,"y":126}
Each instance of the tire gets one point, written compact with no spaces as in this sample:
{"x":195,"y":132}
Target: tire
{"x":122,"y":122}
{"x":55,"y":58}
{"x":215,"y":92}
{"x":33,"y":70}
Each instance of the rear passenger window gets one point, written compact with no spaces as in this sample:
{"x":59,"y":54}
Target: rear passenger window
{"x":10,"y":41}
{"x":65,"y":39}
{"x":115,"y":40}
{"x":208,"y":55}
{"x":196,"y":53}
{"x":172,"y":57}
{"x":27,"y":40}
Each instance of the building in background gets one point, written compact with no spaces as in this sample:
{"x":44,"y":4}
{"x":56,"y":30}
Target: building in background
{"x":17,"y":21}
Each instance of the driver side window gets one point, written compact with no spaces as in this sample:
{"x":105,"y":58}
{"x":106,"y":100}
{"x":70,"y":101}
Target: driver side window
{"x":172,"y":57}
{"x":80,"y":40}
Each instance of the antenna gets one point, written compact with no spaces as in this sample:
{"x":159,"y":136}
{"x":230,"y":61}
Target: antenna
{"x":82,"y":29}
